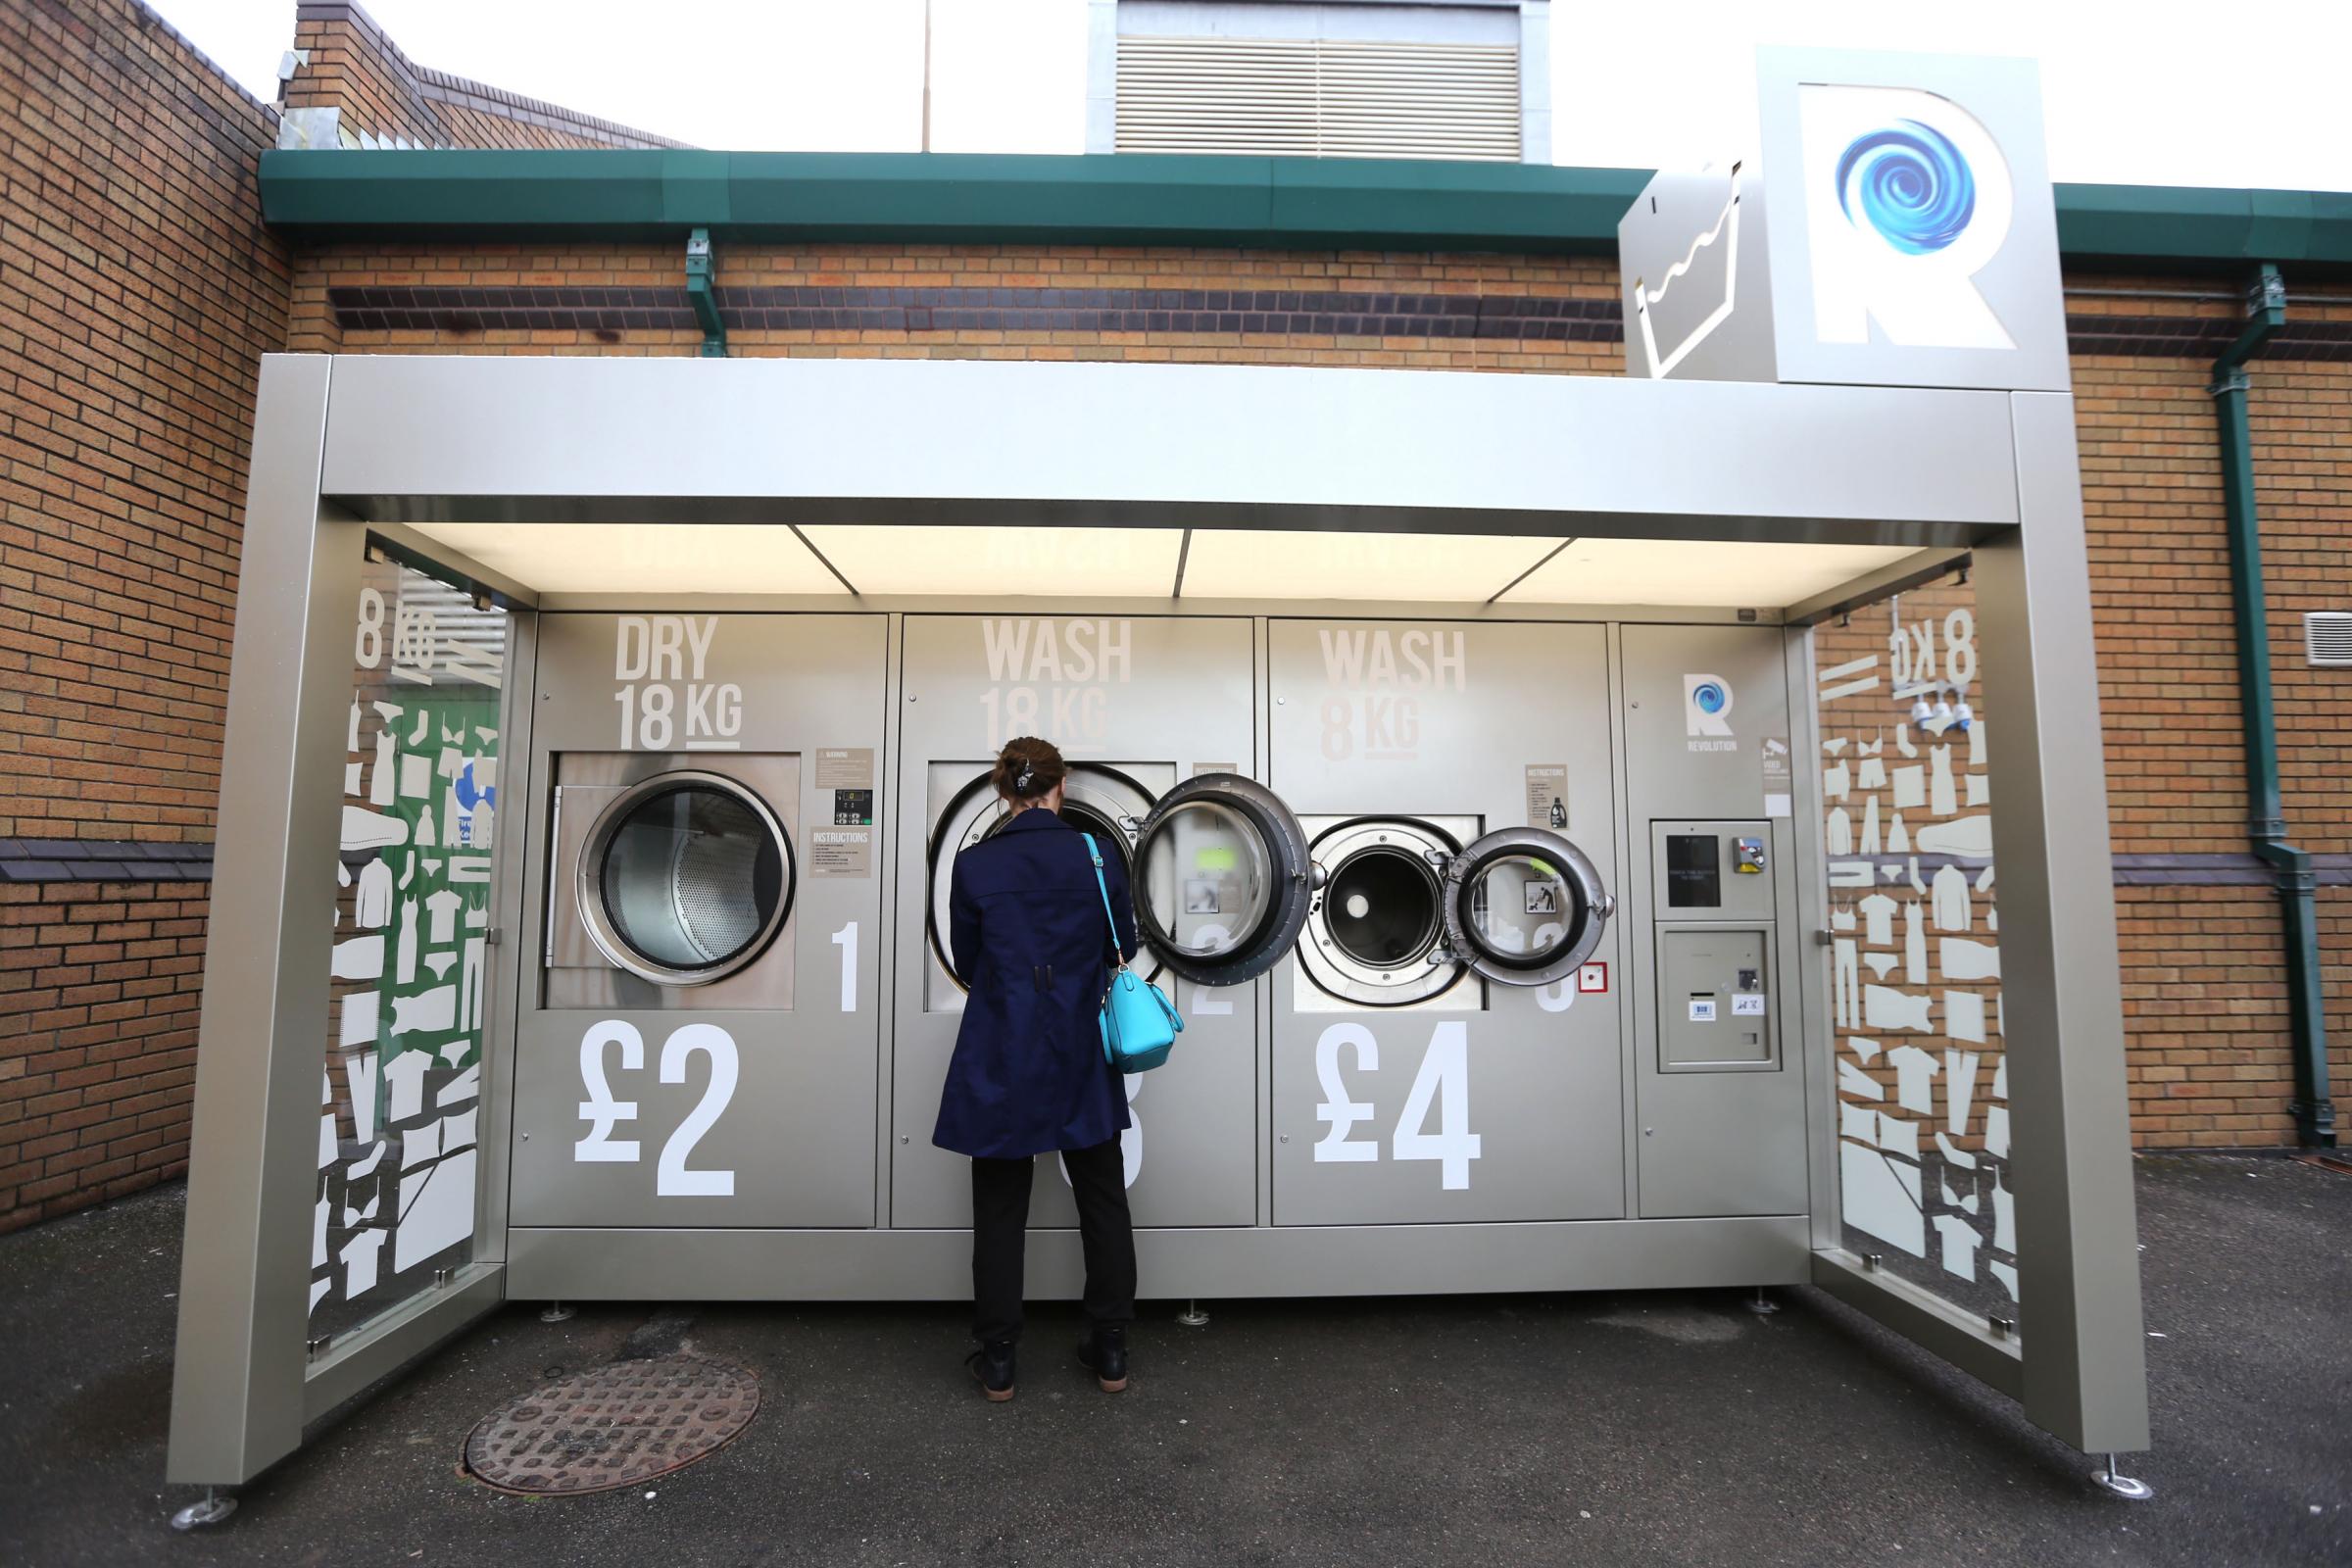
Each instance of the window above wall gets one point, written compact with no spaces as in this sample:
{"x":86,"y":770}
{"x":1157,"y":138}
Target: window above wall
{"x":1370,"y":78}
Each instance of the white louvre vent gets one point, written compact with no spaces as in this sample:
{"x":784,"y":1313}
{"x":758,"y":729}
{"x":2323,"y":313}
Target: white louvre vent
{"x":2328,"y":638}
{"x":1318,"y":98}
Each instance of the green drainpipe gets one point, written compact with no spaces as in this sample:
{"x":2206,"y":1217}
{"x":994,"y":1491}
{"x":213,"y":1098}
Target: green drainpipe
{"x":700,"y":266}
{"x":2307,"y":1002}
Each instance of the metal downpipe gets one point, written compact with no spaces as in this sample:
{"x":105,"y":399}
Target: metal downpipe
{"x":2307,"y":1004}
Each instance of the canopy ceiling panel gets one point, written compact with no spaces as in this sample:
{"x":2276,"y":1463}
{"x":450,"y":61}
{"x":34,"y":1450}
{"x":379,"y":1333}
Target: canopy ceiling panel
{"x":1678,"y":571}
{"x":1251,"y":563}
{"x":1051,"y":563}
{"x":563,"y":558}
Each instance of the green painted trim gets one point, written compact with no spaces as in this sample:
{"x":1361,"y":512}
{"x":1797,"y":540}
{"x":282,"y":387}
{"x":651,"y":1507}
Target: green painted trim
{"x":1128,"y":199}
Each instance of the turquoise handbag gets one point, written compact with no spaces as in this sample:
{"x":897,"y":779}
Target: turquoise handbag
{"x":1139,"y":1024}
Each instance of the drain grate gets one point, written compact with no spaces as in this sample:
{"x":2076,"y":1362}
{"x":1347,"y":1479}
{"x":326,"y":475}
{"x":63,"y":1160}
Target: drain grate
{"x":614,"y":1426}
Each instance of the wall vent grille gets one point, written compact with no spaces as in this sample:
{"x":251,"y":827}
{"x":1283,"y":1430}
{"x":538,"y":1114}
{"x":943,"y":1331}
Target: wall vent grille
{"x":2328,"y":638}
{"x":1318,"y":98}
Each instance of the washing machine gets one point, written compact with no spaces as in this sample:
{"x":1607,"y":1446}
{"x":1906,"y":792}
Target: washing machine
{"x":1157,"y":718}
{"x":699,"y":1042}
{"x":1449,"y":1044}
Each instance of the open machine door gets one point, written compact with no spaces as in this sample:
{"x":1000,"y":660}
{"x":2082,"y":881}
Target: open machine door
{"x":1221,"y":879}
{"x":1524,"y":906}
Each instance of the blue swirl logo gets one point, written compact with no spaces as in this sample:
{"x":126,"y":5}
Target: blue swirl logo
{"x":1910,"y":184}
{"x":1708,"y":698}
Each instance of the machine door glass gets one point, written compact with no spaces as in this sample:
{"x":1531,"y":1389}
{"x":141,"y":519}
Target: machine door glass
{"x":1221,"y":879}
{"x":1524,"y":906}
{"x":686,"y":878}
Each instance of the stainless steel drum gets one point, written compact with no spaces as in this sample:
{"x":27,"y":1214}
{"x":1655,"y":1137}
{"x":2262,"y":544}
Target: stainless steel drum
{"x":686,"y":878}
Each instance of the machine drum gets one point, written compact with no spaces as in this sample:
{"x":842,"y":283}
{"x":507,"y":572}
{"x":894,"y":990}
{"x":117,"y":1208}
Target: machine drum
{"x":686,"y":878}
{"x":1381,"y":906}
{"x":1524,"y":906}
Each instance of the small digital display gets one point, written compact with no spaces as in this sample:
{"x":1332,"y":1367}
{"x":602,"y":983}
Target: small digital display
{"x":1693,"y":872}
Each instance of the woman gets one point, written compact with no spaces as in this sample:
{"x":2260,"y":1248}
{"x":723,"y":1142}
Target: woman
{"x":1034,"y":946}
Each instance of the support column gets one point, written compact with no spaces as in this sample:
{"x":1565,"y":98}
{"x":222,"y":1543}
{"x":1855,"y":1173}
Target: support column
{"x":2085,"y":1368}
{"x":237,"y":1389}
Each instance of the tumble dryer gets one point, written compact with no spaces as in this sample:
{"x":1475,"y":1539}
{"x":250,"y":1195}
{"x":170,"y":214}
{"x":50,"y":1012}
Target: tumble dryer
{"x":695,"y":1044}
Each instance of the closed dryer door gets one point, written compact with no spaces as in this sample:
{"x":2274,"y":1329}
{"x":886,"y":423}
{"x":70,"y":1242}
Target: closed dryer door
{"x":685,"y":878}
{"x":1524,"y":906}
{"x":1221,"y":879}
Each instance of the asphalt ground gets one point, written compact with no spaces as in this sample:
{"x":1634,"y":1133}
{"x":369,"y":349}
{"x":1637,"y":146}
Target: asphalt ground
{"x":1669,"y":1427}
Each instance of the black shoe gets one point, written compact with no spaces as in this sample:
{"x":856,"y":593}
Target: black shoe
{"x":1104,"y":1355}
{"x":992,"y":1364}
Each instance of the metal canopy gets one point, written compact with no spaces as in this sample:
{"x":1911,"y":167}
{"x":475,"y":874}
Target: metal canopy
{"x":962,"y":442}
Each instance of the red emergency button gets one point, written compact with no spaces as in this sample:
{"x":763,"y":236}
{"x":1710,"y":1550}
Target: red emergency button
{"x":1592,"y":977}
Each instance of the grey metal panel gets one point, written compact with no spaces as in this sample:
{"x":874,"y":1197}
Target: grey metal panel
{"x":1432,"y":720}
{"x":1157,"y":697}
{"x":1804,"y":961}
{"x":2085,"y":1372}
{"x":1314,"y":1260}
{"x":509,"y":964}
{"x":237,"y":1374}
{"x":1710,"y":960}
{"x":796,"y":1132}
{"x":1695,"y":275}
{"x":1710,"y":1143}
{"x":422,"y":438}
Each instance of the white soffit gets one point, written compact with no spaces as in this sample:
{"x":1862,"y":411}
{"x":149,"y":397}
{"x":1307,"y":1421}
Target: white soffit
{"x":567,"y":558}
{"x":1105,"y":562}
{"x":1680,"y":571}
{"x":1267,"y":563}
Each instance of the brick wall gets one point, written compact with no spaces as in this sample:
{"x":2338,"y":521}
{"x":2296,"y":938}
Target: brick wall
{"x":98,"y":986}
{"x":138,"y":289}
{"x":371,"y":92}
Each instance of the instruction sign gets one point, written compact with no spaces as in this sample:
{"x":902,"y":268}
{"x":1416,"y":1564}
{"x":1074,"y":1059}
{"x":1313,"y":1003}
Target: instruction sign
{"x":844,"y":845}
{"x":1547,"y":796}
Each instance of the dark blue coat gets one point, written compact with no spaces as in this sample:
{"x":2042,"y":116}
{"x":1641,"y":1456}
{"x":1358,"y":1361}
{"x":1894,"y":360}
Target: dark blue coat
{"x":1026,"y":924}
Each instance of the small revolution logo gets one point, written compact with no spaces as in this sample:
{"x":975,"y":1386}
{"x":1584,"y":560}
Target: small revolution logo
{"x":1706,"y":704}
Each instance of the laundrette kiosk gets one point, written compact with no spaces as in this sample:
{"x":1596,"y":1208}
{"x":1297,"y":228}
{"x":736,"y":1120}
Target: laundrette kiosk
{"x":1499,"y":928}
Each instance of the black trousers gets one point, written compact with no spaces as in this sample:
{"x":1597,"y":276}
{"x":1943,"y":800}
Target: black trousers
{"x":1001,"y":1231}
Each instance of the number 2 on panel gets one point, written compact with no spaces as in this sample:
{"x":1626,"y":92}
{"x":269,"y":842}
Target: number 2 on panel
{"x":1444,"y":1077}
{"x":672,"y":1176}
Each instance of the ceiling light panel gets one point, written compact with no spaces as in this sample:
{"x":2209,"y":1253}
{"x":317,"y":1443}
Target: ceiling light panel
{"x":1709,"y":573}
{"x":1123,"y":562}
{"x":579,"y":558}
{"x":1256,"y":564}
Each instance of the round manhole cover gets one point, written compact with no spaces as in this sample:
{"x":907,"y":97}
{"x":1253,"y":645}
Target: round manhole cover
{"x":614,"y":1426}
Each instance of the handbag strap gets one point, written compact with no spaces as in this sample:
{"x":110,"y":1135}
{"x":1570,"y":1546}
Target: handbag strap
{"x":1093,"y":853}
